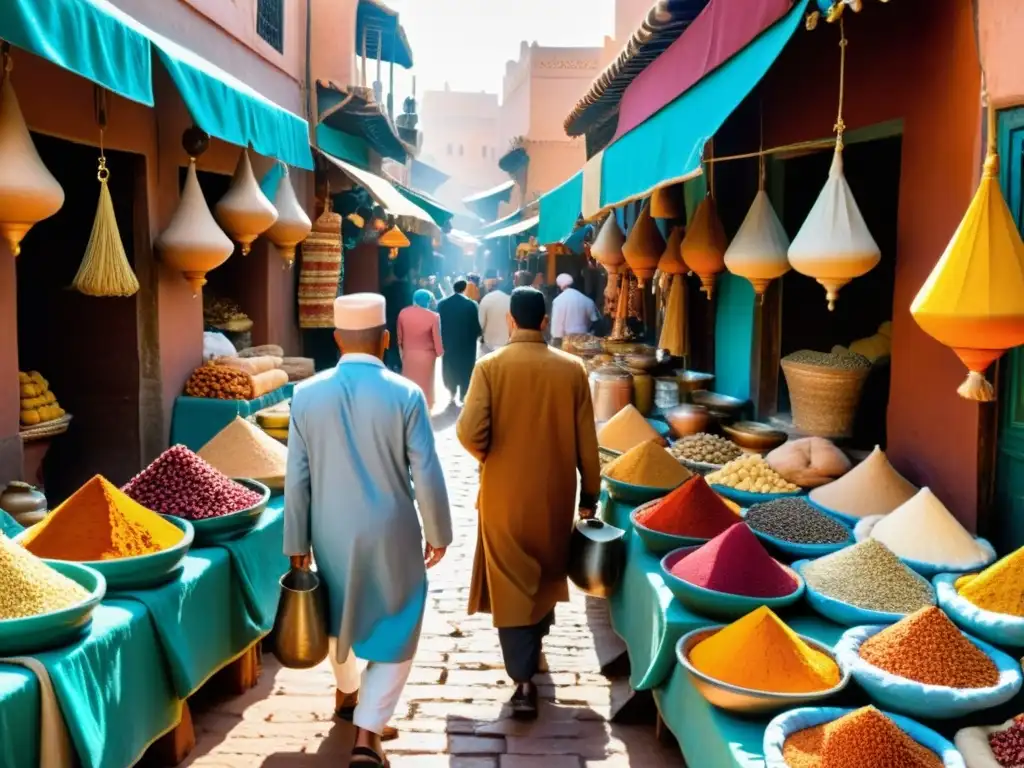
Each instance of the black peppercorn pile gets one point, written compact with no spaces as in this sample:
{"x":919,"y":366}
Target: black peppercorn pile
{"x":796,"y":521}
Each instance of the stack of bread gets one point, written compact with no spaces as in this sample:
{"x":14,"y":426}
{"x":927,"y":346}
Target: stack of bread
{"x":38,"y":404}
{"x":274,"y":421}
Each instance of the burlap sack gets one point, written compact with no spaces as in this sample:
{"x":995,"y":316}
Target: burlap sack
{"x":809,"y":462}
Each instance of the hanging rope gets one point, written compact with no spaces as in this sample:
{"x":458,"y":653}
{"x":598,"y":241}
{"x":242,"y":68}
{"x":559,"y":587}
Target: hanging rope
{"x":840,"y":127}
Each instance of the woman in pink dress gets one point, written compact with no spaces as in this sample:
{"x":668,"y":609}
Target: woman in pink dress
{"x":419,"y":339}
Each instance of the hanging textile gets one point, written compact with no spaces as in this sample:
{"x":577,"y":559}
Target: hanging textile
{"x":320,"y":273}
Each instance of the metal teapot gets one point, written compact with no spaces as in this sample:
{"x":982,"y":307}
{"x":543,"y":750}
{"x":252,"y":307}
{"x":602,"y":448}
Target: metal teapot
{"x":25,"y":503}
{"x":300,"y":629}
{"x":597,"y":557}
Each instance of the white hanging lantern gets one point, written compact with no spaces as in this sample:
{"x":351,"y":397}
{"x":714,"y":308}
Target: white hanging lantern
{"x":758,"y":251}
{"x":244,"y":211}
{"x":292,"y":225}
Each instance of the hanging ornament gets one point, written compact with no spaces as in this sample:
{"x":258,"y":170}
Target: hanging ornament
{"x":245,"y":212}
{"x":320,"y":273}
{"x":703,"y":247}
{"x":607,"y":251}
{"x":834,"y":245}
{"x":620,"y":330}
{"x":671,"y":263}
{"x":105,"y":270}
{"x":193,"y":244}
{"x":393,"y":239}
{"x":758,"y":251}
{"x":292,"y":223}
{"x":973,"y":300}
{"x":667,"y":203}
{"x":643,"y":246}
{"x":28,"y":191}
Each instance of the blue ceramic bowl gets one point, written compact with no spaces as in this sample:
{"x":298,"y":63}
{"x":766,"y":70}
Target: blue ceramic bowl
{"x":34,"y":634}
{"x":795,"y":551}
{"x":848,"y":520}
{"x":634,"y":494}
{"x":721,"y":605}
{"x":748,"y":499}
{"x":997,"y":628}
{"x":212,"y":530}
{"x":845,"y":613}
{"x":863,"y":531}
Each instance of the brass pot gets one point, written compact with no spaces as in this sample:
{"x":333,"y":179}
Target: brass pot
{"x":25,"y":503}
{"x":688,"y":419}
{"x":755,"y":436}
{"x":300,"y":629}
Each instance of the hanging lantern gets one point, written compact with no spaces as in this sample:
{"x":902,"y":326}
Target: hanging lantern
{"x":643,"y":246}
{"x":28,"y":191}
{"x":607,"y":251}
{"x":292,"y":223}
{"x":245,"y":212}
{"x":703,"y":247}
{"x":671,"y":263}
{"x":973,"y":301}
{"x":834,"y":245}
{"x":666,"y":203}
{"x":758,"y":251}
{"x":393,"y":238}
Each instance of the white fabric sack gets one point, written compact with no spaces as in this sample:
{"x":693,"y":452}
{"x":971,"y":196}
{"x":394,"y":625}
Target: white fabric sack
{"x":759,"y":248}
{"x":216,"y":345}
{"x":973,"y":745}
{"x":998,"y":628}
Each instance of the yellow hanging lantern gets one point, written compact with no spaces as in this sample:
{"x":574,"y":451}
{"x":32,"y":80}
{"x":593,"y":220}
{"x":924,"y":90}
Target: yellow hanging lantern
{"x":643,"y":246}
{"x":834,"y":245}
{"x":666,"y":202}
{"x":758,"y":251}
{"x":245,"y":212}
{"x":292,"y":225}
{"x":607,"y":251}
{"x":703,"y":247}
{"x":28,"y":191}
{"x":393,"y":238}
{"x":671,"y":262}
{"x":973,"y":300}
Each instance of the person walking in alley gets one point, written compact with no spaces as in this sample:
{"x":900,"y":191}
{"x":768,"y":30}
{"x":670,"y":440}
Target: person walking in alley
{"x":460,"y":329}
{"x":494,"y":319}
{"x":526,"y":515}
{"x":572,"y":312}
{"x":357,"y":433}
{"x":419,"y":340}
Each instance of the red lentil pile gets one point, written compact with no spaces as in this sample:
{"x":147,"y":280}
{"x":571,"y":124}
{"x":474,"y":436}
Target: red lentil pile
{"x":865,"y":738}
{"x":928,"y":648}
{"x":1008,"y":746}
{"x":182,"y":484}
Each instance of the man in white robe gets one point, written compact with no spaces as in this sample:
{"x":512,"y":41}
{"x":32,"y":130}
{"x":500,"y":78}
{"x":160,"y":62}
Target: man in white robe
{"x":358,"y":434}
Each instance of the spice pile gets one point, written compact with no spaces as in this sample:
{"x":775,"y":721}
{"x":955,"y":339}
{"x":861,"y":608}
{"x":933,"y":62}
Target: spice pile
{"x":761,"y":653}
{"x":692,"y":509}
{"x":648,"y":465}
{"x":29,"y":587}
{"x":796,"y":521}
{"x":627,"y":429}
{"x":736,"y":563}
{"x":926,"y":647}
{"x":242,"y":449}
{"x":99,"y":522}
{"x":999,"y":588}
{"x":946,"y":541}
{"x":751,"y":474}
{"x":706,"y":449}
{"x":181,"y":484}
{"x":870,"y":577}
{"x":865,"y":738}
{"x":848,"y":361}
{"x":873,"y":487}
{"x":1007,"y":745}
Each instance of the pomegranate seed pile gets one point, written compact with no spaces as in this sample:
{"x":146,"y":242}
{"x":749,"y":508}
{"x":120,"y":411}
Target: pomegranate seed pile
{"x":1008,"y":746}
{"x":180,"y":483}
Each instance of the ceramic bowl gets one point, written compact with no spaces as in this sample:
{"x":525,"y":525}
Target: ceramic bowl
{"x":755,"y":436}
{"x":687,"y":419}
{"x":657,"y":542}
{"x":748,"y":499}
{"x":729,"y":407}
{"x":692,"y":381}
{"x":212,"y":530}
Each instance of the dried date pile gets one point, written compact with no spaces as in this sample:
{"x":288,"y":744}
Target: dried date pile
{"x":220,"y":383}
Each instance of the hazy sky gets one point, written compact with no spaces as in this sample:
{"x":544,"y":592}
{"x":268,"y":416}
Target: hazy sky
{"x":467,"y":42}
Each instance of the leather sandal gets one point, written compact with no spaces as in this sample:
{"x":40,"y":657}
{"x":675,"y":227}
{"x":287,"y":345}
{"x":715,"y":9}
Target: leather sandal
{"x":345,"y":709}
{"x":375,"y":760}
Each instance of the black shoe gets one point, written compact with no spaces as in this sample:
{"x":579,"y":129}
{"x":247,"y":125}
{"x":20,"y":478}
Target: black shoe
{"x":524,"y":702}
{"x":345,"y":709}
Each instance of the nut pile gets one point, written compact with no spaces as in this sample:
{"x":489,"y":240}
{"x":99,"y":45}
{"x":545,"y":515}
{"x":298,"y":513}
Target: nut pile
{"x":849,"y":361}
{"x":869,"y":576}
{"x":705,"y":448}
{"x":29,"y":587}
{"x":796,"y":521}
{"x":182,"y":484}
{"x":752,"y":474}
{"x":1008,"y":745}
{"x":219,"y":382}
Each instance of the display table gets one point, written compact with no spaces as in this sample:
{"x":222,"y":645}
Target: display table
{"x":197,"y":419}
{"x":19,"y":718}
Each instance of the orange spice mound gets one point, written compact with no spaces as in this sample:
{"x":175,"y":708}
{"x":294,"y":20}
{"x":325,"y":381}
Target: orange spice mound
{"x":649,"y":465}
{"x":625,"y":430}
{"x":692,"y":509}
{"x":99,"y":522}
{"x":928,"y":648}
{"x":865,"y":738}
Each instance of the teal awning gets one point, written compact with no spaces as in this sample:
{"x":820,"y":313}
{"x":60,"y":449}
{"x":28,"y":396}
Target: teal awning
{"x":559,"y":210}
{"x":504,"y":221}
{"x":351,"y":149}
{"x":669,"y":146}
{"x":87,"y":37}
{"x":519,"y":228}
{"x":438,"y":212}
{"x":385,"y":38}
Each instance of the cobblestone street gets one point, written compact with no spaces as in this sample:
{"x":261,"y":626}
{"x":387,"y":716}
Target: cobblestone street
{"x":452,"y":710}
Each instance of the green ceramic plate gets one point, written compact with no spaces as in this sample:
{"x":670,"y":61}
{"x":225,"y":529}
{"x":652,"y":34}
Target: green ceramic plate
{"x":53,"y":630}
{"x":235,"y":525}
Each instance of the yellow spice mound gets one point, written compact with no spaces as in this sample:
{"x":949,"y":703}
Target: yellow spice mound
{"x":761,"y":653}
{"x":625,"y":430}
{"x":31,"y":587}
{"x":999,"y":588}
{"x":242,"y":449}
{"x":648,"y":465}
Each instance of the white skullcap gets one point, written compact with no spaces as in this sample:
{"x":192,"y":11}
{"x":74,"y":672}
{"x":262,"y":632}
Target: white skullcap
{"x":563,"y":280}
{"x":359,"y":312}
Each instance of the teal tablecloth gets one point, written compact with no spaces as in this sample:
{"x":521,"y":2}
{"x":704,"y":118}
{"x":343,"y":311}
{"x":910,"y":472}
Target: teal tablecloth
{"x":197,"y":419}
{"x":19,"y":718}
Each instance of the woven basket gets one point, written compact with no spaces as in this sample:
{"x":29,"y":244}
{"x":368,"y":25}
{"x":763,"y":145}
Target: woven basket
{"x":824,"y":399}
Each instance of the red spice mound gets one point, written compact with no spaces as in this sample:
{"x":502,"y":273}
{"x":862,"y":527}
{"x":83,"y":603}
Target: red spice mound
{"x":735,"y":562}
{"x":692,"y":509}
{"x":180,"y":483}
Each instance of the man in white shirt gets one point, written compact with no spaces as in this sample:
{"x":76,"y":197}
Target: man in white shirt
{"x":572,"y":312}
{"x":494,"y":307}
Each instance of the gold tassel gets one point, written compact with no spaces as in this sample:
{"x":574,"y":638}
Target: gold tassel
{"x":976,"y":387}
{"x":105,"y":270}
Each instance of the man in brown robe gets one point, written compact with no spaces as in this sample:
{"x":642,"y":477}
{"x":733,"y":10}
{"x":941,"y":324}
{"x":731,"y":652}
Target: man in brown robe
{"x":528,"y":407}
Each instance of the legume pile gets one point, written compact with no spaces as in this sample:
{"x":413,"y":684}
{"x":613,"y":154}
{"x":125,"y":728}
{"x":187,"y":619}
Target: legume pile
{"x":864,"y":738}
{"x":796,"y":521}
{"x":999,"y":588}
{"x":180,"y":483}
{"x":736,"y":563}
{"x":869,"y":576}
{"x":705,"y":448}
{"x":1008,"y":745}
{"x":849,"y":361}
{"x":648,"y":465}
{"x":752,"y":474}
{"x":928,"y":648}
{"x":29,"y":587}
{"x":692,"y":509}
{"x":761,"y":653}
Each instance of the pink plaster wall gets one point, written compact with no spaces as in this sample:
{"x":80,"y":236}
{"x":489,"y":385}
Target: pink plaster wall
{"x":999,"y":28}
{"x":332,"y":41}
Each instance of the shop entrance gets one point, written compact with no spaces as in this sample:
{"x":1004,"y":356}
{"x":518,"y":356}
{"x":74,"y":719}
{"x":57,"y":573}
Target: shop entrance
{"x":86,"y":347}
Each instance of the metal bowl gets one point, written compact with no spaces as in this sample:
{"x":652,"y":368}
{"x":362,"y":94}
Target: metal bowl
{"x":687,"y":419}
{"x":729,"y":407}
{"x":755,"y":436}
{"x":692,"y":381}
{"x":641,"y":361}
{"x":746,"y":701}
